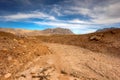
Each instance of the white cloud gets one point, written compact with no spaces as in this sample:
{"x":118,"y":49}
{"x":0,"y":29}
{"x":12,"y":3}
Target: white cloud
{"x":56,"y":10}
{"x":76,"y":28}
{"x":22,"y":16}
{"x":108,"y":15}
{"x":104,"y":12}
{"x":77,"y":21}
{"x":80,"y":10}
{"x":106,"y":21}
{"x":63,"y":25}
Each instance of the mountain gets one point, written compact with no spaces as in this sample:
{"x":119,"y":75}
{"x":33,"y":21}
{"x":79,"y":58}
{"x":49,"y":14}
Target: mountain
{"x":107,"y":29}
{"x":60,"y":31}
{"x":57,"y":31}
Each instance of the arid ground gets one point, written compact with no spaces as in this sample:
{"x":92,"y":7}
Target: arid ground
{"x":94,"y":56}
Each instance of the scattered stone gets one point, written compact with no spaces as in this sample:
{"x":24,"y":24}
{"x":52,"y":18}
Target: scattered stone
{"x":15,"y":40}
{"x":63,"y":72}
{"x":23,"y":75}
{"x":14,"y":47}
{"x":95,"y":38}
{"x":4,"y":49}
{"x":9,"y":58}
{"x":7,"y":75}
{"x":21,"y":41}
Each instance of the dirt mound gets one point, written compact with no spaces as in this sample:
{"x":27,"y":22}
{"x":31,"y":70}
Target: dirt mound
{"x":16,"y":51}
{"x":105,"y":42}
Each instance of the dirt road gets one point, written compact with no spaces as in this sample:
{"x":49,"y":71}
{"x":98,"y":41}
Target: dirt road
{"x":71,"y":63}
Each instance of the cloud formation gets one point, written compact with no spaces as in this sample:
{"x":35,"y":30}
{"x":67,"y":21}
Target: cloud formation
{"x":23,"y":16}
{"x":76,"y":15}
{"x":101,"y":12}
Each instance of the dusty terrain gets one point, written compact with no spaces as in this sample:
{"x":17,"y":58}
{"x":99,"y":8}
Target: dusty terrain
{"x":107,"y":42}
{"x":60,"y":57}
{"x":15,"y":52}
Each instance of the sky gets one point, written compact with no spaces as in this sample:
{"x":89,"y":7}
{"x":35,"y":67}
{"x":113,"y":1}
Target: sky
{"x":80,"y":16}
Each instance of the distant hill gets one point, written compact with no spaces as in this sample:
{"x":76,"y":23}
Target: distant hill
{"x":57,"y":31}
{"x":106,"y":29}
{"x":106,"y":42}
{"x":16,"y":31}
{"x":60,"y":31}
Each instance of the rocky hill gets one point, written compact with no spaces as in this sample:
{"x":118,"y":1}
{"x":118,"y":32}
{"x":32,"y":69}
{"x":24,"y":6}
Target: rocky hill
{"x":60,"y":31}
{"x":57,"y":31}
{"x":107,"y":29}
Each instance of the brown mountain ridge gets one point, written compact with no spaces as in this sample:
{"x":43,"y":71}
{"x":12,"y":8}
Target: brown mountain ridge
{"x":60,"y":31}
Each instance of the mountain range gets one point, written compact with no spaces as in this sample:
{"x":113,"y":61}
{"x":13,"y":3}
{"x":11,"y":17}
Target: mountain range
{"x":60,"y":31}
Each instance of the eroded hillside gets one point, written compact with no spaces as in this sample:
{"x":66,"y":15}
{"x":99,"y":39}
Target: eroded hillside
{"x":105,"y":42}
{"x":16,"y":51}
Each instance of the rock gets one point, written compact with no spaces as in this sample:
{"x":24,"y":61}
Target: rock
{"x":15,"y":40}
{"x":95,"y":38}
{"x":21,"y":41}
{"x":64,"y":72}
{"x":9,"y":58}
{"x":14,"y":47}
{"x":4,"y":50}
{"x":7,"y":75}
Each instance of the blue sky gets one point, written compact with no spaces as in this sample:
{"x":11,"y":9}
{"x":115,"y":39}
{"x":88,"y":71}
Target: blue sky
{"x":80,"y":16}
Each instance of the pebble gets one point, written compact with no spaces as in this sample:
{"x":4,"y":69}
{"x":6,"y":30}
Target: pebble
{"x":14,"y":47}
{"x":7,"y":75}
{"x":15,"y":40}
{"x":5,"y":49}
{"x":9,"y":58}
{"x":21,"y":41}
